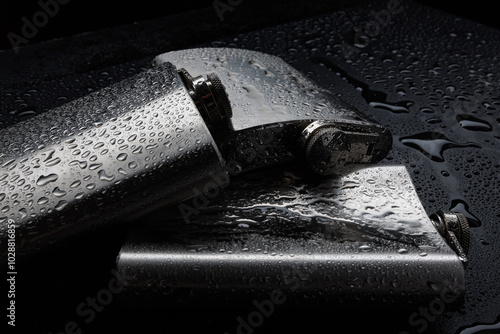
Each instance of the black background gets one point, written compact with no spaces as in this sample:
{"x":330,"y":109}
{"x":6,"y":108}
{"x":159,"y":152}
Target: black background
{"x":79,"y":16}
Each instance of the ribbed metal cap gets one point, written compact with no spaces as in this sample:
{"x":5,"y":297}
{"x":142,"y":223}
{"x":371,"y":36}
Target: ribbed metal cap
{"x":210,"y":97}
{"x":451,"y":225}
{"x":220,"y":94}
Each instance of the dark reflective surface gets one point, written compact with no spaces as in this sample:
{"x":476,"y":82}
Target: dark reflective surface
{"x":431,"y":66}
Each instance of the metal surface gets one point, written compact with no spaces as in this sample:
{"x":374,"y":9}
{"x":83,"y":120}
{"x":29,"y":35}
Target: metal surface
{"x":262,"y":88}
{"x":273,"y":107}
{"x":154,"y":140}
{"x":107,"y":157}
{"x":360,"y":233}
{"x":362,"y":237}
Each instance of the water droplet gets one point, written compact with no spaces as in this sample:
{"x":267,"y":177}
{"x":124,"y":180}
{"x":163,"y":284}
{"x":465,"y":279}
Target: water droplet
{"x":8,"y":162}
{"x":104,"y":177}
{"x":44,"y":180}
{"x":436,"y":286}
{"x":396,"y":283}
{"x":433,"y":120}
{"x":47,"y":155}
{"x":462,"y":207}
{"x":23,"y":212}
{"x":42,"y":200}
{"x":427,"y":110}
{"x":365,"y":248}
{"x":395,"y":108}
{"x":81,"y":164}
{"x":433,"y":144}
{"x":95,"y":166}
{"x":472,"y":123}
{"x":58,"y":192}
{"x":61,"y":205}
{"x":53,"y":162}
{"x":75,"y":184}
{"x":122,"y":156}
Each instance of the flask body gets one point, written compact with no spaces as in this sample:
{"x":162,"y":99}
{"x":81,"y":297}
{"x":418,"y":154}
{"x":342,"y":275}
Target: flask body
{"x":106,"y":157}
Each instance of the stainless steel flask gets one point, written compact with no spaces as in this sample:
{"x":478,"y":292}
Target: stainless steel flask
{"x":164,"y":136}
